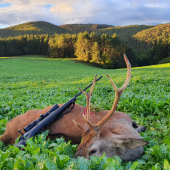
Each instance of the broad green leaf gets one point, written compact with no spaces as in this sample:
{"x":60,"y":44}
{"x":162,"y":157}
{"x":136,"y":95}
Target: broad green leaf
{"x":62,"y":160}
{"x":167,"y":141}
{"x":133,"y":167}
{"x":166,"y":165}
{"x":156,"y":167}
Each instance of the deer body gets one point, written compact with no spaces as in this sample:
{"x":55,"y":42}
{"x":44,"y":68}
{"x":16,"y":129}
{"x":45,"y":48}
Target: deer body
{"x":63,"y":127}
{"x":119,"y":125}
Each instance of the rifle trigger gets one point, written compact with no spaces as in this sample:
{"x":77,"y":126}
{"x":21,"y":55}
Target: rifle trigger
{"x":20,"y":132}
{"x":69,"y":109}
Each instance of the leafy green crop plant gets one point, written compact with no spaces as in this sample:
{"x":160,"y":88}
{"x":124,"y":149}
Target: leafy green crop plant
{"x":34,"y":82}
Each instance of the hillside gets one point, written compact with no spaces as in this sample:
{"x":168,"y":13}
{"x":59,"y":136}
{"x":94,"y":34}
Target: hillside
{"x":124,"y":32}
{"x":84,"y":27}
{"x":34,"y":28}
{"x":154,"y":35}
{"x":146,"y":39}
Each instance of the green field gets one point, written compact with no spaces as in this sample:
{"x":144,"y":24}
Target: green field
{"x":29,"y":82}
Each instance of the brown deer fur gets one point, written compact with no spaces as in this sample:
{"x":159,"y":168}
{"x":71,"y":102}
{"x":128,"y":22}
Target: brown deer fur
{"x":63,"y":126}
{"x":116,"y":137}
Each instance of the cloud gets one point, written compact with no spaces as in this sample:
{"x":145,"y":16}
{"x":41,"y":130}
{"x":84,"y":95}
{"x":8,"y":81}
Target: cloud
{"x":73,"y":13}
{"x":23,"y":11}
{"x":60,"y":12}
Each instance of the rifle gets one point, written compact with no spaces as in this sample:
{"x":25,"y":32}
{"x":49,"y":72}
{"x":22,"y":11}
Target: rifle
{"x":54,"y":114}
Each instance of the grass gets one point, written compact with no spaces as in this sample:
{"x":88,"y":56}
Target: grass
{"x":29,"y":82}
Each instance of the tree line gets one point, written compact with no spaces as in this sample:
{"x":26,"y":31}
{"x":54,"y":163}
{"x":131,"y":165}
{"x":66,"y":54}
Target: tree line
{"x":105,"y":51}
{"x":24,"y":45}
{"x":77,"y":28}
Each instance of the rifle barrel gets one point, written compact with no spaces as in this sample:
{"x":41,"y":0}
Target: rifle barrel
{"x":88,"y":86}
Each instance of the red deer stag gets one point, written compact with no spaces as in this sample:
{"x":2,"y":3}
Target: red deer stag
{"x":119,"y":125}
{"x":114,"y":133}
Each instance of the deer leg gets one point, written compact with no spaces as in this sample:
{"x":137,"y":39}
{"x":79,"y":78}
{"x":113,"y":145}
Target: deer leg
{"x":7,"y":139}
{"x":141,"y":129}
{"x":134,"y":124}
{"x":138,"y":128}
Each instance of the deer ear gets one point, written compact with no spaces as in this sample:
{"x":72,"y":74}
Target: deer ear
{"x":131,"y":143}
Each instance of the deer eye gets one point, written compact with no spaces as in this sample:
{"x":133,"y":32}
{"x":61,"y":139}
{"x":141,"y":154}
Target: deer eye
{"x":117,"y":148}
{"x":92,"y":151}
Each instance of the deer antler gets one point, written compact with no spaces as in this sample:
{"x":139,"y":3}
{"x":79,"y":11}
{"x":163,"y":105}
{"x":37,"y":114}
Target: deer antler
{"x":118,"y":92}
{"x":88,"y":99}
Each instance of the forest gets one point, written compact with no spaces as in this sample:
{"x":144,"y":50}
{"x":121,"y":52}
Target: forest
{"x":144,"y":45}
{"x":77,"y":28}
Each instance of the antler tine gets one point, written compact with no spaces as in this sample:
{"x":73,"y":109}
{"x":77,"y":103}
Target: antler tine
{"x":118,"y":92}
{"x":128,"y":74}
{"x":78,"y":125}
{"x":88,"y":98}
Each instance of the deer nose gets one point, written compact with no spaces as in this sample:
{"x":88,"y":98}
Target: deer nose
{"x":75,"y":157}
{"x":77,"y":154}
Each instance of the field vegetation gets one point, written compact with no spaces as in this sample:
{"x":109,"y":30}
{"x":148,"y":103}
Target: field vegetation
{"x":36,"y":82}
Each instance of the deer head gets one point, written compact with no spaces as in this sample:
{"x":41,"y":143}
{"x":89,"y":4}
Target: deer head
{"x":97,"y":140}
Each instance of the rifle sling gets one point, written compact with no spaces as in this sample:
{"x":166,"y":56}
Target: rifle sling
{"x":67,"y":111}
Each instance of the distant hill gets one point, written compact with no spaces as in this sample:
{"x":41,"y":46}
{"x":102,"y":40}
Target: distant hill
{"x":84,"y":27}
{"x":125,"y":32}
{"x":155,"y":41}
{"x":145,"y":39}
{"x":39,"y":27}
{"x":154,"y":35}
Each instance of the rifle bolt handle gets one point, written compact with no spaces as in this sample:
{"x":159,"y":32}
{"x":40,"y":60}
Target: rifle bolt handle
{"x":20,"y":132}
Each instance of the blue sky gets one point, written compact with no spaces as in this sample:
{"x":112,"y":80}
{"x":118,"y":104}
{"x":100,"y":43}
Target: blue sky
{"x":3,"y":5}
{"x":59,"y":12}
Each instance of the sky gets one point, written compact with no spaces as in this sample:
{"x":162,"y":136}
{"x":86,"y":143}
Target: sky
{"x":61,"y":12}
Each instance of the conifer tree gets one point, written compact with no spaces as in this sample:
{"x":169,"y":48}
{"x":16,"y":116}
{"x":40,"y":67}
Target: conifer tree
{"x":95,"y":53}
